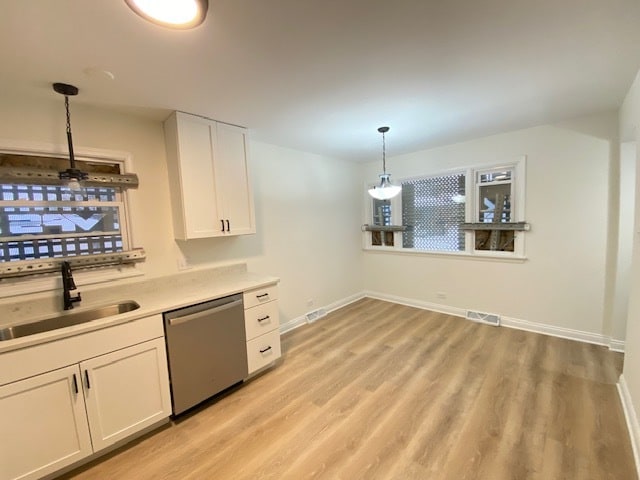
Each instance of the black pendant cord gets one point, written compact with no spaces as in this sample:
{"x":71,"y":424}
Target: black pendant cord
{"x":72,"y":158}
{"x":72,"y":172}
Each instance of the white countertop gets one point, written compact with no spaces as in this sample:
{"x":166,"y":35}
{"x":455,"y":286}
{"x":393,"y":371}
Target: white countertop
{"x":154,"y":296}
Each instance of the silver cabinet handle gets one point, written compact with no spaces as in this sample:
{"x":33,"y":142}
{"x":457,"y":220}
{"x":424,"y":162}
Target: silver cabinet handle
{"x":204,"y":313}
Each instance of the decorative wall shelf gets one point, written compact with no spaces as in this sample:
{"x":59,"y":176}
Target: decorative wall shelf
{"x":45,"y":265}
{"x":383,"y":228}
{"x":519,"y":226}
{"x":33,"y":176}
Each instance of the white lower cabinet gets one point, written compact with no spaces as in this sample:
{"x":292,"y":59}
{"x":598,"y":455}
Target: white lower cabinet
{"x":263,"y":350}
{"x":125,"y":391}
{"x":262,"y":324}
{"x":44,"y":424}
{"x":54,"y":419}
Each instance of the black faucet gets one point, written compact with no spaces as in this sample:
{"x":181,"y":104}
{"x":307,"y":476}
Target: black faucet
{"x":68,"y":284}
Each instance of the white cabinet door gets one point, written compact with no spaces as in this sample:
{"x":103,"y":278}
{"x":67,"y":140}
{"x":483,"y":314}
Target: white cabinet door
{"x":196,"y":213}
{"x":43,"y":424}
{"x":126,"y":391}
{"x":232,"y":179}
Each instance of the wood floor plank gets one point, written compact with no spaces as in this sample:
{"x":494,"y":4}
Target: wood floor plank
{"x":383,"y":391}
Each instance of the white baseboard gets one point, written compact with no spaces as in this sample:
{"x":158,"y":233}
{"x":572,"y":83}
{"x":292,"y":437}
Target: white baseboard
{"x":302,"y":319}
{"x":458,"y":312}
{"x":293,"y":324}
{"x":554,"y":331}
{"x":616,"y":345}
{"x":632,"y":420}
{"x":509,"y":322}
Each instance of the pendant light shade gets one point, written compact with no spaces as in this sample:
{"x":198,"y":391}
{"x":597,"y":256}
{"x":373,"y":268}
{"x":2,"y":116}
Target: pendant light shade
{"x":180,"y":14}
{"x":72,"y":176}
{"x":386,"y":189}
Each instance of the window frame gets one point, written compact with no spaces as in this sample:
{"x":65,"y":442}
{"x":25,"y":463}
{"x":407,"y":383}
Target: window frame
{"x":50,"y":281}
{"x":517,"y":165}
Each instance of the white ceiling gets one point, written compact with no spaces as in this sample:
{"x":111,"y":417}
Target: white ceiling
{"x":321,"y":76}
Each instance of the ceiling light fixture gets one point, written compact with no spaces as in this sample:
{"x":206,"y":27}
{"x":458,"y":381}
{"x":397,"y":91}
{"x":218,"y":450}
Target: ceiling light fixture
{"x":72,"y":175}
{"x":180,"y":14}
{"x":386,"y":189}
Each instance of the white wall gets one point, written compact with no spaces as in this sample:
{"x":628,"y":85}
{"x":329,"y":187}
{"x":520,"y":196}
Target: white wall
{"x":626,"y":217}
{"x":562,"y":282}
{"x":630,"y":132}
{"x":307,"y":209}
{"x":308,"y":213}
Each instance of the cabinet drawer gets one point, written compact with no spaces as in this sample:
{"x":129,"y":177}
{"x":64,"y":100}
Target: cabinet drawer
{"x":259,"y":296}
{"x":261,"y":319}
{"x":263,"y":350}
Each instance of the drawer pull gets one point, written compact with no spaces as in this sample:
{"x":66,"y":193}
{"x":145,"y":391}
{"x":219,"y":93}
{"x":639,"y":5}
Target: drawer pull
{"x":262,"y":296}
{"x":75,"y":384}
{"x":86,"y":377}
{"x":264,"y":318}
{"x":266,"y":349}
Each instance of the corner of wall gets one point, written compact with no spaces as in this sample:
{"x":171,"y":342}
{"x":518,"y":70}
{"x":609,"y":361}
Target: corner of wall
{"x":631,"y":417}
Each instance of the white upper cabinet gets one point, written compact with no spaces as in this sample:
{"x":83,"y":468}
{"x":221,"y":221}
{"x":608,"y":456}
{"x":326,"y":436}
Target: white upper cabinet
{"x":208,"y":177}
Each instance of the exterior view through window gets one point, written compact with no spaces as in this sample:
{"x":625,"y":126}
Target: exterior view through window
{"x":431,"y":211}
{"x":47,"y":221}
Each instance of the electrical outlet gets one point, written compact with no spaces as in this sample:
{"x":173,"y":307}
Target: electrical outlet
{"x":441,"y":295}
{"x":310,"y":302}
{"x":183,"y":264}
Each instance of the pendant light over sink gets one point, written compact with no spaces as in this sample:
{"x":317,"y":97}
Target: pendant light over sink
{"x":386,"y":189}
{"x":179,"y":14}
{"x":72,"y":176}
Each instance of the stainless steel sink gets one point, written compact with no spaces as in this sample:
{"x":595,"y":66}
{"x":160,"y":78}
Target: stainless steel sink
{"x":67,"y":320}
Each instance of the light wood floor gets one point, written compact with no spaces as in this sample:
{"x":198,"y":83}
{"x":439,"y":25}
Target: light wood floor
{"x":382,"y":391}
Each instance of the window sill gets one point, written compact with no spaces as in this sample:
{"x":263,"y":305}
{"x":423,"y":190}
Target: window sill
{"x":489,"y":256}
{"x":12,"y":287}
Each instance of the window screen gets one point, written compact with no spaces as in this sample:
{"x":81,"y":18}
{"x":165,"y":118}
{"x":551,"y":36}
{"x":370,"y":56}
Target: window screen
{"x":431,"y":215}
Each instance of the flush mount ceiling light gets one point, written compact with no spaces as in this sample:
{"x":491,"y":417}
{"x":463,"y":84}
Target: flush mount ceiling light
{"x":180,"y":14}
{"x":72,"y":175}
{"x":386,"y":189}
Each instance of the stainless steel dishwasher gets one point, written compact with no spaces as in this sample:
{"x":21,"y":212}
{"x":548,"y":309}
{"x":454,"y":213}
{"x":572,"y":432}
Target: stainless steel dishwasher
{"x":206,"y":349}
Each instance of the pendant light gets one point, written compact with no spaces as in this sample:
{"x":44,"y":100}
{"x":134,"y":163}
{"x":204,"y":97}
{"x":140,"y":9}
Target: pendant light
{"x":72,"y":175}
{"x":179,"y":14}
{"x":386,"y":189}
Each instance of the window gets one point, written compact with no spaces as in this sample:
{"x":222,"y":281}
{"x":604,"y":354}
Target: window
{"x":42,"y":221}
{"x":494,"y":191}
{"x":49,"y":221}
{"x":494,"y":194}
{"x":429,"y":214}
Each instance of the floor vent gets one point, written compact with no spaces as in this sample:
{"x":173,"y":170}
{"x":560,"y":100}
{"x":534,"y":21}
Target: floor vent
{"x":488,"y":318}
{"x":315,"y":315}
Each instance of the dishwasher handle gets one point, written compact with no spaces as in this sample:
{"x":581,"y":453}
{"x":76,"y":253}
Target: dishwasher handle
{"x":203,"y":313}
